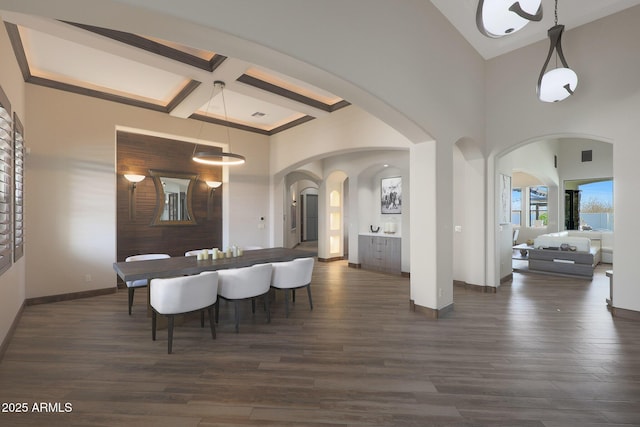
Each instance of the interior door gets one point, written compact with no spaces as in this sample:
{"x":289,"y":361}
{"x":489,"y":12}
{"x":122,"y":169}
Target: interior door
{"x":310,"y":232}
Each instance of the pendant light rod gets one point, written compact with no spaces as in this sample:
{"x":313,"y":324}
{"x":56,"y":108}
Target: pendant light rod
{"x":218,"y":158}
{"x":517,"y":9}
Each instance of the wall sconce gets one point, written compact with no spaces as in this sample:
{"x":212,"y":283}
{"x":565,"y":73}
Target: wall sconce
{"x":212,"y":185}
{"x":133,"y":180}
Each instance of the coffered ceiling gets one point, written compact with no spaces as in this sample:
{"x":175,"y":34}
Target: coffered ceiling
{"x":162,"y":76}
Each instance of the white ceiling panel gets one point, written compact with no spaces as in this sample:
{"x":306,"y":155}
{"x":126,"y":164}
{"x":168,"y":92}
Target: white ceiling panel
{"x":55,"y":58}
{"x":242,"y":109}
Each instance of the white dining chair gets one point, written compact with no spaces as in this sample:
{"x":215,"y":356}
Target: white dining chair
{"x":132,"y":285}
{"x":292,"y":275}
{"x":243,"y":283}
{"x":185,"y":294}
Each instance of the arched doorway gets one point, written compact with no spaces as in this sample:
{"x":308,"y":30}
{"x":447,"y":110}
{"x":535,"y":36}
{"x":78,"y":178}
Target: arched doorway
{"x":550,"y":163}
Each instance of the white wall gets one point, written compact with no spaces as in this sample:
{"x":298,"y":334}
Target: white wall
{"x":70,"y":194}
{"x":12,"y":281}
{"x":603,"y":54}
{"x":468,"y":219}
{"x":571,"y":166}
{"x":249,"y":192}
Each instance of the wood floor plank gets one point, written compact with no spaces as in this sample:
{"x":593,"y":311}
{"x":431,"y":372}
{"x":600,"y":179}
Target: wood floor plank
{"x":541,"y":352}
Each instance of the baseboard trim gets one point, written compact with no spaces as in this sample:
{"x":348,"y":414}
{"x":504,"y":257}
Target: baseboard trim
{"x":474,"y":287}
{"x":337,"y":258}
{"x":10,"y":332}
{"x":507,"y":278}
{"x":354,"y":265}
{"x":406,"y":274}
{"x":430,"y":313}
{"x":623,"y":313}
{"x":70,"y":296}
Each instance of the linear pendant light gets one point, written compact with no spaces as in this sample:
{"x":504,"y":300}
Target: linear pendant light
{"x":560,"y":82}
{"x":498,"y":18}
{"x":218,"y":158}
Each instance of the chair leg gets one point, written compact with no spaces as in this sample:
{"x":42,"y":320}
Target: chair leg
{"x":268,"y":307}
{"x":153,"y":324}
{"x":212,"y":323}
{"x":286,"y":302}
{"x":170,"y":334}
{"x":237,"y":313}
{"x":309,"y":292}
{"x":293,"y":293}
{"x":202,"y":318}
{"x":217,"y":307}
{"x":253,"y":305}
{"x":131,"y":291}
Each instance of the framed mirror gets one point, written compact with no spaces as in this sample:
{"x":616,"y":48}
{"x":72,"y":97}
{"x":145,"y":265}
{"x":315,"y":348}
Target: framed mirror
{"x":174,"y":192}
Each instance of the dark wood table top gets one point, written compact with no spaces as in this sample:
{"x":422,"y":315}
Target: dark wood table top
{"x":180,"y":266}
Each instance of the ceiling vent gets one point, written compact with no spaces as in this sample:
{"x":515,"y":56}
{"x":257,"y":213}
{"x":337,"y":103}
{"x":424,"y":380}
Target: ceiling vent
{"x":258,"y":114}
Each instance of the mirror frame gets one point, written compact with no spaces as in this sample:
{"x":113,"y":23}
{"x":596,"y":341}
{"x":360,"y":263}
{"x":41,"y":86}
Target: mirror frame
{"x":160,"y":196}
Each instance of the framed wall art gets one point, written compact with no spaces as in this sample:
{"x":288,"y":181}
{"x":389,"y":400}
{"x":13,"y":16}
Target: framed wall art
{"x":391,"y":195}
{"x":504,"y":210}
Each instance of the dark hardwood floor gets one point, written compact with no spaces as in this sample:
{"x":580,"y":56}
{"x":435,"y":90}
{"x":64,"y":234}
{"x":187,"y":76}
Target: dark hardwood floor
{"x":542,"y":351}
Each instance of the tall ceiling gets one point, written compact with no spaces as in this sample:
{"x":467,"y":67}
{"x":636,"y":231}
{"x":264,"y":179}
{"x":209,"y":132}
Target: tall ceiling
{"x":167,"y":77}
{"x":571,"y":13}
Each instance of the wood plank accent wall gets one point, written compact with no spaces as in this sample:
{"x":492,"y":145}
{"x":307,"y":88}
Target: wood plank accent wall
{"x":137,"y":154}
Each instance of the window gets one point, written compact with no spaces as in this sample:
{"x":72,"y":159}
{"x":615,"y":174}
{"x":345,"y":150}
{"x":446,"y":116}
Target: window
{"x":18,"y":188}
{"x":516,"y":206}
{"x":6,"y":196}
{"x":596,"y":205}
{"x":538,"y":205}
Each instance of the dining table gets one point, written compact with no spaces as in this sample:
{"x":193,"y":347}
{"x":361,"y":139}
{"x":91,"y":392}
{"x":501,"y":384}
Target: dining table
{"x":187,"y":265}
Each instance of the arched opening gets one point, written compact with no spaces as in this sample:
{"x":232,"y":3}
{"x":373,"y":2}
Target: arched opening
{"x":300,"y":208}
{"x":544,"y":174}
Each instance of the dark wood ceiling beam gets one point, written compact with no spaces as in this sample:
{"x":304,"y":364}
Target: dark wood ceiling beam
{"x":95,"y":94}
{"x":286,"y":93}
{"x":18,"y":49}
{"x":155,"y":47}
{"x":291,"y":124}
{"x":186,"y":91}
{"x":233,"y":125}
